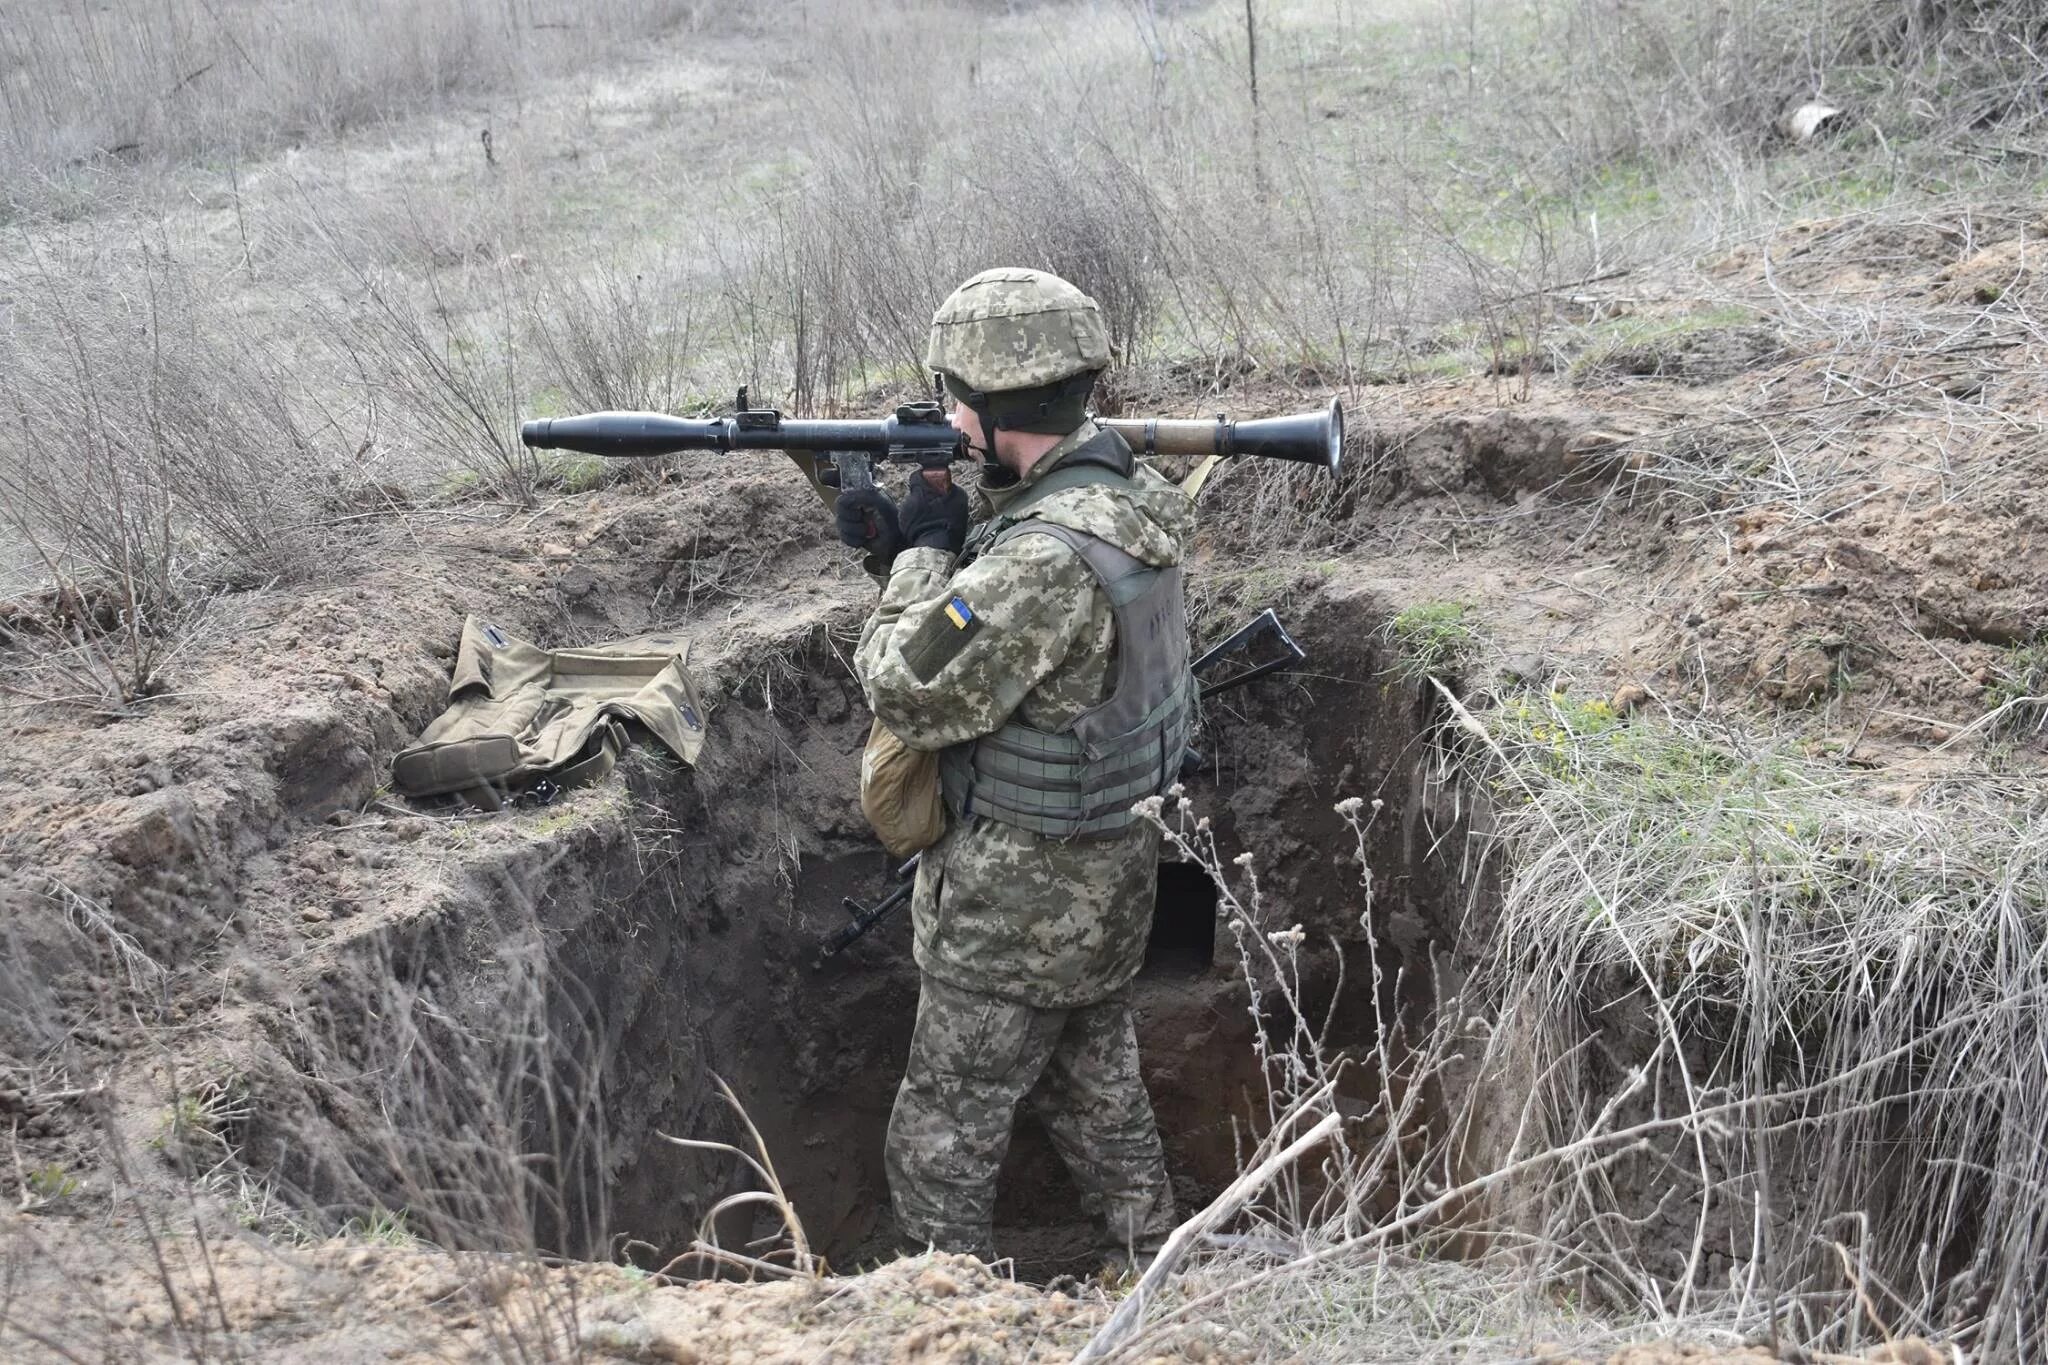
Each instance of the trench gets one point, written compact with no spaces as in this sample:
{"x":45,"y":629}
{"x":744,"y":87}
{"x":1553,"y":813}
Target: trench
{"x":679,"y":943}
{"x":815,"y":1051}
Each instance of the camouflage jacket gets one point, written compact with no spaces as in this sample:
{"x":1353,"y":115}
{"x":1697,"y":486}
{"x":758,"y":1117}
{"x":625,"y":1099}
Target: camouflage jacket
{"x":1050,"y":923}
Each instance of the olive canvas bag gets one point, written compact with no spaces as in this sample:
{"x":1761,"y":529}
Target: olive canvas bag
{"x":520,"y":716}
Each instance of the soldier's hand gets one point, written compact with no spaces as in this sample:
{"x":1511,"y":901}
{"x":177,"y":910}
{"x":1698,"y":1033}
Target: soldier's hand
{"x":935,"y":512}
{"x":866,"y":520}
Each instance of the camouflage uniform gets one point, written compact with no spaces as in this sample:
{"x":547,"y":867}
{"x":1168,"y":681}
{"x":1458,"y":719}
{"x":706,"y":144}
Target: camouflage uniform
{"x":1027,"y":945}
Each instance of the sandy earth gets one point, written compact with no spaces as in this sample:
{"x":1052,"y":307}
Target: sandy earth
{"x":239,"y":1298}
{"x":241,"y":818}
{"x":1825,"y":516}
{"x":340,"y":1302}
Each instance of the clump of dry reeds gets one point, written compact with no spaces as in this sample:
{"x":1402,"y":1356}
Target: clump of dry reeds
{"x":1848,"y":982}
{"x":1376,"y":1225}
{"x":1752,"y":1052}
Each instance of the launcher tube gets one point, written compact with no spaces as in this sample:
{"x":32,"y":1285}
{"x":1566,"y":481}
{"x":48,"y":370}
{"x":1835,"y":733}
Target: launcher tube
{"x":920,"y":432}
{"x":657,"y":433}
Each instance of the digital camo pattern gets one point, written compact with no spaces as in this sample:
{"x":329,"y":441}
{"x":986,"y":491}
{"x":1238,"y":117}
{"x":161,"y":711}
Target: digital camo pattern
{"x":1016,"y":329}
{"x":972,"y":1058}
{"x":1043,"y":922}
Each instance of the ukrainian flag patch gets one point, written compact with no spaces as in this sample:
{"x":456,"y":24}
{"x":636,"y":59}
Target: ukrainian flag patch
{"x":940,"y":639}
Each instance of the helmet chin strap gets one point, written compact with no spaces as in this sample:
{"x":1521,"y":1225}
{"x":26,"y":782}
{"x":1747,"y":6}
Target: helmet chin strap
{"x":994,"y":473}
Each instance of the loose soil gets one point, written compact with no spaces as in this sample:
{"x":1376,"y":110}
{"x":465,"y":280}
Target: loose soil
{"x":248,"y":987}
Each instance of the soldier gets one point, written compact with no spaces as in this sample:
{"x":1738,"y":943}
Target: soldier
{"x":1045,"y":658}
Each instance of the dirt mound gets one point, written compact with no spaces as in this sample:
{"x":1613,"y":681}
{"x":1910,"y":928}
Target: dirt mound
{"x":177,"y":1296}
{"x":238,"y":955}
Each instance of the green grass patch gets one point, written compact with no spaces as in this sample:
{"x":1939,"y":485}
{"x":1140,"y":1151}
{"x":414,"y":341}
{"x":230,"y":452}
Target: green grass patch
{"x":184,"y":1122}
{"x":1430,"y":639}
{"x":1578,"y":743}
{"x":52,"y":1182}
{"x":2018,"y":679}
{"x":1634,"y":344}
{"x":386,"y":1227}
{"x":577,"y":473}
{"x":459,"y":485}
{"x":1662,"y":842}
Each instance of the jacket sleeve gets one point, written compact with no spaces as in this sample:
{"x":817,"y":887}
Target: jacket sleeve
{"x":948,"y":657}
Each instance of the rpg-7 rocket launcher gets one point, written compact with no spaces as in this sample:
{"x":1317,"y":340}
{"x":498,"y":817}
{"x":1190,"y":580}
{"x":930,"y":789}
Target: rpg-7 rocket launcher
{"x":840,"y":453}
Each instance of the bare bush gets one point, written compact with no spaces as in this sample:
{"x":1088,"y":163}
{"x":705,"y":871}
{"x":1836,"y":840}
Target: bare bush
{"x":435,"y":351}
{"x":152,"y":457}
{"x":1949,"y":69}
{"x":616,"y":336}
{"x":1142,"y":196}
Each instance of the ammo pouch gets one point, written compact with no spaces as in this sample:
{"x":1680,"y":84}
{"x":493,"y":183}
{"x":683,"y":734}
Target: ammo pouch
{"x":526,"y":720}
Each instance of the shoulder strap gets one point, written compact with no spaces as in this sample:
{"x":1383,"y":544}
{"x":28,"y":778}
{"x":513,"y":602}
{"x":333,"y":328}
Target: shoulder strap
{"x":1103,"y":460}
{"x":1067,"y":476}
{"x":1123,"y":576}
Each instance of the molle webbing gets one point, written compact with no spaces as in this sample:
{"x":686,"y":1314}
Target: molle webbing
{"x":1082,"y":782}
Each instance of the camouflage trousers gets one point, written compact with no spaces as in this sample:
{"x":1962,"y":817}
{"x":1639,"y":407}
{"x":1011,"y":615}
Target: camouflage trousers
{"x":972,"y":1058}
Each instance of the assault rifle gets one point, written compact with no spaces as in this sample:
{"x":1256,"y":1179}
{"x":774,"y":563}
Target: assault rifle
{"x":839,"y":454}
{"x":866,"y":917}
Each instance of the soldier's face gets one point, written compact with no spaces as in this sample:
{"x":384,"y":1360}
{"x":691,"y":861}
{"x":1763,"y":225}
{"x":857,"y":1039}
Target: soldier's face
{"x":968,"y":423}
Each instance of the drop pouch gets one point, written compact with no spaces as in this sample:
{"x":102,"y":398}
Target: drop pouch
{"x":899,"y":793}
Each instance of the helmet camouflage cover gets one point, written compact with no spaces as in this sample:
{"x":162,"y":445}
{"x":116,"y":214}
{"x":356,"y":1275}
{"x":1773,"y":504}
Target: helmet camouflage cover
{"x":1013,"y":328}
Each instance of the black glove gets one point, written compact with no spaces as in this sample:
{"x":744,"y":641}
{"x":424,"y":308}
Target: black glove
{"x":866,"y":520}
{"x":933,"y":519}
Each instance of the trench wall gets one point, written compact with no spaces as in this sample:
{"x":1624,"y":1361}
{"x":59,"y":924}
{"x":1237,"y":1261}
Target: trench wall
{"x":674,"y":916}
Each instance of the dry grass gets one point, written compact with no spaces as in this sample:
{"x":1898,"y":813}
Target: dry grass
{"x":1338,"y":1254}
{"x":1825,"y":970}
{"x":90,"y":90}
{"x":1969,"y":70}
{"x":705,"y":1250}
{"x":1817,"y":1016}
{"x":1397,"y":175}
{"x":379,"y":1109}
{"x":1850,"y":980}
{"x":151,"y":456}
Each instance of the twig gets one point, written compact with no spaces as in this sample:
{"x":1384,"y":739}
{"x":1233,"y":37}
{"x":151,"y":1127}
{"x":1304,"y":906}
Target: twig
{"x":1129,"y":1314}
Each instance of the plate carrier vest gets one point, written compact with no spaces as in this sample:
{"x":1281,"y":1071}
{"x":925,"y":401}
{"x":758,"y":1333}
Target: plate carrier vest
{"x":1080,"y":782}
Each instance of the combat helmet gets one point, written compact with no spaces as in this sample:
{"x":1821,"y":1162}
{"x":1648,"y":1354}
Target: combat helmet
{"x":1021,"y":348}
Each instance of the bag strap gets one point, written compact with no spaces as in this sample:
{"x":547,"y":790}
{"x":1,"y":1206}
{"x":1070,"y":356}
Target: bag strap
{"x":600,"y":754}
